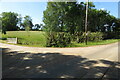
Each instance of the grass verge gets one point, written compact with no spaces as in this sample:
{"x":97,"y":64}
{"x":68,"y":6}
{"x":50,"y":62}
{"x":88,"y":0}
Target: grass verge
{"x":102,"y":42}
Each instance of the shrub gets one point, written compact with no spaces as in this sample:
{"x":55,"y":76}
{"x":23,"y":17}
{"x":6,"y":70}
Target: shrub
{"x":79,"y":37}
{"x":95,"y":36}
{"x":92,"y":36}
{"x":63,"y":39}
{"x":58,"y":39}
{"x":111,"y":35}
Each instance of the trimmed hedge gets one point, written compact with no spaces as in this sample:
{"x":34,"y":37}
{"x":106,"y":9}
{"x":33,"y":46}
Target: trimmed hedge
{"x":58,"y":39}
{"x":111,"y":35}
{"x":95,"y":36}
{"x":63,"y":39}
{"x":92,"y":36}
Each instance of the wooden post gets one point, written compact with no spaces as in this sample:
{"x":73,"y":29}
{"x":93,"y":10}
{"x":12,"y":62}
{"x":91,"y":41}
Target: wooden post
{"x":86,"y":22}
{"x":16,"y":40}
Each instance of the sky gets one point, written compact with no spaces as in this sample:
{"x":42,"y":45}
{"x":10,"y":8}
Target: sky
{"x":35,"y":9}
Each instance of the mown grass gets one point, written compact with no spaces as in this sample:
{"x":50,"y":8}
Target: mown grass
{"x":37,"y":39}
{"x":31,"y":38}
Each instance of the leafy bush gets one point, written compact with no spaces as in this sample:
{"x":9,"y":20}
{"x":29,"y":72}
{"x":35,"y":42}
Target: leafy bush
{"x":63,"y":39}
{"x":79,"y":37}
{"x":58,"y":39}
{"x":111,"y":35}
{"x":92,"y":36}
{"x":95,"y":36}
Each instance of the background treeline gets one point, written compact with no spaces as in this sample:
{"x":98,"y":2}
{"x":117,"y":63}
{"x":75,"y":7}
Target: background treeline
{"x":11,"y":21}
{"x":65,"y":23}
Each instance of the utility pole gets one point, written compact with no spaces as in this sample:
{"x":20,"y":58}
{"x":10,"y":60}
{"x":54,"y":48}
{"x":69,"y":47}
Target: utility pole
{"x":86,"y":22}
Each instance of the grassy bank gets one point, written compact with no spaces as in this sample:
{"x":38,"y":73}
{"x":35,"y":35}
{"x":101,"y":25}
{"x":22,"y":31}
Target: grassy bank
{"x":31,"y":38}
{"x":37,"y":39}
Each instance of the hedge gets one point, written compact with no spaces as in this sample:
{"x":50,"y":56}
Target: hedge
{"x":63,"y":39}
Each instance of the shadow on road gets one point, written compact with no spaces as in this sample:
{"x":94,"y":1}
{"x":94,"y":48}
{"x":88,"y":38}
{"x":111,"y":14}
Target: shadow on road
{"x":55,"y":65}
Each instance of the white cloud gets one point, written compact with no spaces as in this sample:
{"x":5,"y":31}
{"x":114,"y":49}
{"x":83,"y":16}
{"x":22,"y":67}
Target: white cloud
{"x":102,"y":9}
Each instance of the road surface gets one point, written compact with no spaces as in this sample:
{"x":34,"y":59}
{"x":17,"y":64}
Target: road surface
{"x":82,"y":62}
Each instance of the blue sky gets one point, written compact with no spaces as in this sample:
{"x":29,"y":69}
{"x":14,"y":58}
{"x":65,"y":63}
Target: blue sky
{"x":109,"y":6}
{"x":35,"y":9}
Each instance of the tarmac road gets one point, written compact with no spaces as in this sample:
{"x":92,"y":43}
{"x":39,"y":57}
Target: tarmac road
{"x":81,"y":62}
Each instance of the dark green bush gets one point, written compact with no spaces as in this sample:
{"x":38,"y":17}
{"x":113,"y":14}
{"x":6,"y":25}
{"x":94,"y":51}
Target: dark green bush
{"x":92,"y":36}
{"x":79,"y":37}
{"x":111,"y":35}
{"x":58,"y":39}
{"x":95,"y":36}
{"x":63,"y":39}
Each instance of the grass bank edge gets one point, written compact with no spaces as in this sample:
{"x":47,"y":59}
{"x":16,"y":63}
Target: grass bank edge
{"x":102,"y":42}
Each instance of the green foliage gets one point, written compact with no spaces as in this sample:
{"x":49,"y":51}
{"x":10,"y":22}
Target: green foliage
{"x":19,"y":21}
{"x":27,"y":28}
{"x":58,"y":39}
{"x":37,"y":26}
{"x":111,"y":35}
{"x":70,"y":17}
{"x":9,"y":21}
{"x":95,"y":36}
{"x":80,"y":37}
{"x":63,"y":39}
{"x":0,"y":26}
{"x":27,"y":22}
{"x":116,"y":28}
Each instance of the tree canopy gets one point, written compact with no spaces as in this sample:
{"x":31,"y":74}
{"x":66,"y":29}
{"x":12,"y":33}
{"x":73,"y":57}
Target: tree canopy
{"x":27,"y":22}
{"x":9,"y":21}
{"x":70,"y":17}
{"x":65,"y":23}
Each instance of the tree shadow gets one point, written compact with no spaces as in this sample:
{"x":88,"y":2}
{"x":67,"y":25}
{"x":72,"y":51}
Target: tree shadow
{"x":55,"y":65}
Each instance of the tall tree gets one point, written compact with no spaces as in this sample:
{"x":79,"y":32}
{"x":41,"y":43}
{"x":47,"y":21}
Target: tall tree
{"x":37,"y":26}
{"x":9,"y":21}
{"x":19,"y":21}
{"x":27,"y":22}
{"x":57,"y":16}
{"x":117,"y":26}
